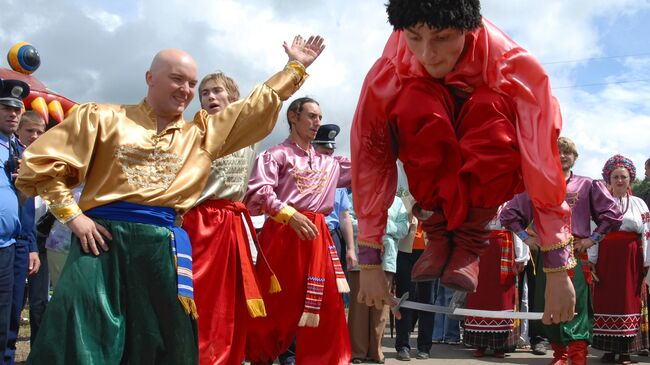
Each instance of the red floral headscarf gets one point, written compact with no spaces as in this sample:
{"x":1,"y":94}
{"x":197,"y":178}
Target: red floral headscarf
{"x":617,"y":161}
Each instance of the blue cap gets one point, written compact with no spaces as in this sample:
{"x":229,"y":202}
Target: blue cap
{"x":12,"y":92}
{"x":326,"y":135}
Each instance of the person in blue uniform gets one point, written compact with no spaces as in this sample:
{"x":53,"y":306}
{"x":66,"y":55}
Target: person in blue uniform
{"x":12,"y":93}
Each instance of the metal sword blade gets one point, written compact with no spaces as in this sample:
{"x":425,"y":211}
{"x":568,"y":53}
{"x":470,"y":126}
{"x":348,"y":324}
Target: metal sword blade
{"x":470,"y":312}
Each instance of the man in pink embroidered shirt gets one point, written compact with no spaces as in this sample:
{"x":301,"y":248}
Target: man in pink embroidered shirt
{"x":471,"y":116}
{"x":295,"y":186}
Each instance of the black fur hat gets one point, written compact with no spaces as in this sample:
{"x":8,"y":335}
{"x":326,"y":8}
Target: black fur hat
{"x":440,"y":14}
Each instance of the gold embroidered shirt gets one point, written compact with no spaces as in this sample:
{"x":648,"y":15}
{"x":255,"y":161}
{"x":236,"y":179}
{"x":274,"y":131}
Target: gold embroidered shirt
{"x":118,"y":152}
{"x":229,"y":177}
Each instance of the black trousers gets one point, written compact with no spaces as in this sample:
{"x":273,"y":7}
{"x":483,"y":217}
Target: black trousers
{"x":419,"y":292}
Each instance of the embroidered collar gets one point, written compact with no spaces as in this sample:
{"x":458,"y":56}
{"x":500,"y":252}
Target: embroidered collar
{"x":146,"y":109}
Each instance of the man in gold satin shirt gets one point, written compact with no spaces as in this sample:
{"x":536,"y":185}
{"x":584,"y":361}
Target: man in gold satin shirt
{"x":125,"y":294}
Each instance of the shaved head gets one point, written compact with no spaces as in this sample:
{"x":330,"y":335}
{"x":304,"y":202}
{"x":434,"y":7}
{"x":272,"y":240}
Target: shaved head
{"x":168,"y":57}
{"x":171,"y":79}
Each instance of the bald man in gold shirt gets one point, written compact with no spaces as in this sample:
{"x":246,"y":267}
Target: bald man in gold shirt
{"x":125,"y":294}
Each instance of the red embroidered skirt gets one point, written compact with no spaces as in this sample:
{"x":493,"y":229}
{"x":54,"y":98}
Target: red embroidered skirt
{"x":617,"y":296}
{"x":496,"y":285}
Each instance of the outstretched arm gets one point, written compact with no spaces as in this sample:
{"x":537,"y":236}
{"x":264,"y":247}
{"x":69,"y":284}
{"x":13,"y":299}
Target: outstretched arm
{"x":51,"y":172}
{"x":374,"y":181}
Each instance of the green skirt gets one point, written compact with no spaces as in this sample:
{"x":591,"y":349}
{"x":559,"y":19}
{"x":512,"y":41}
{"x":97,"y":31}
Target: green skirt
{"x":581,"y":326}
{"x":120,"y":307}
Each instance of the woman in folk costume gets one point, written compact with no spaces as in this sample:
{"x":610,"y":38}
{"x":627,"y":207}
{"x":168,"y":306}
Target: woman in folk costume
{"x":621,"y":262}
{"x":219,"y":226}
{"x":497,"y":290}
{"x":295,"y":186}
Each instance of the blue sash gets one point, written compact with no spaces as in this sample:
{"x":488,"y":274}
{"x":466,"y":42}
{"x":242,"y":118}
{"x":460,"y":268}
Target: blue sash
{"x":180,"y":242}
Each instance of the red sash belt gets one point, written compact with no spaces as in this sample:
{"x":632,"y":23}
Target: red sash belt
{"x":251,"y":288}
{"x":323,"y":247}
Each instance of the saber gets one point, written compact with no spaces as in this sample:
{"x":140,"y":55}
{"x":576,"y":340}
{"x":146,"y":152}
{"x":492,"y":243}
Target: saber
{"x":404,"y":303}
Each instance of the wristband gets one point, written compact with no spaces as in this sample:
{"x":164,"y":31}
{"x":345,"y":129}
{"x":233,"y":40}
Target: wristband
{"x":596,"y":237}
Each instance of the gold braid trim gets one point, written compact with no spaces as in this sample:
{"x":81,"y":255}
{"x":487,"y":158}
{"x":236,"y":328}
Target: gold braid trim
{"x":297,"y":69}
{"x":375,"y":245}
{"x":371,"y":267}
{"x":65,"y":212}
{"x":559,"y":245}
{"x":570,"y":265}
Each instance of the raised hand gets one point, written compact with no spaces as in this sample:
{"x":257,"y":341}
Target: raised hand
{"x":304,"y":51}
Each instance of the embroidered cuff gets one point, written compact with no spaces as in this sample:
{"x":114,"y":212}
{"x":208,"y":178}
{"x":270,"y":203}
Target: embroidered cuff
{"x":375,"y":245}
{"x":370,"y":254}
{"x":370,"y":267}
{"x":559,"y":259}
{"x":297,"y":69}
{"x":596,"y":237}
{"x":284,"y":215}
{"x":65,"y":212}
{"x":288,"y":81}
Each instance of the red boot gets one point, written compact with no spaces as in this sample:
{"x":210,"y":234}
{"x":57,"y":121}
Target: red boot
{"x":578,"y":352}
{"x":471,"y":240}
{"x":560,"y":356}
{"x":436,"y":253}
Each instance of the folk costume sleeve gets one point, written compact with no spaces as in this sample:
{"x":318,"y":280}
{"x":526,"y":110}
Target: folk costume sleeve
{"x":519,"y":74}
{"x":644,"y":213}
{"x":261,"y":197}
{"x":55,"y":163}
{"x":493,"y":59}
{"x":604,"y":210}
{"x":517,"y":216}
{"x":398,"y":221}
{"x":345,"y":174}
{"x":605,"y":214}
{"x":374,"y":177}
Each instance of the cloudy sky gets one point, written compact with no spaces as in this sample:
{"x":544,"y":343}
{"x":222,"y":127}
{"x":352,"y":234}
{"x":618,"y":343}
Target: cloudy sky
{"x":596,"y":52}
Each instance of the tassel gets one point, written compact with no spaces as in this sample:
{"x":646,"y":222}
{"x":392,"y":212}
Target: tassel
{"x":256,"y":308}
{"x":309,"y":320}
{"x":342,"y":285}
{"x":189,"y":306}
{"x":275,"y":285}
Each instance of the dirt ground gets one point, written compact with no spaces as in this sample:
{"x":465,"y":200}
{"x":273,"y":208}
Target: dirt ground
{"x":440,"y":354}
{"x":22,"y":346}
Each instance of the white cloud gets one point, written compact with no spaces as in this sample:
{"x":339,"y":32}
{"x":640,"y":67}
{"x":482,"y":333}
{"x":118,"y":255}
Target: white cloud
{"x":106,"y":20}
